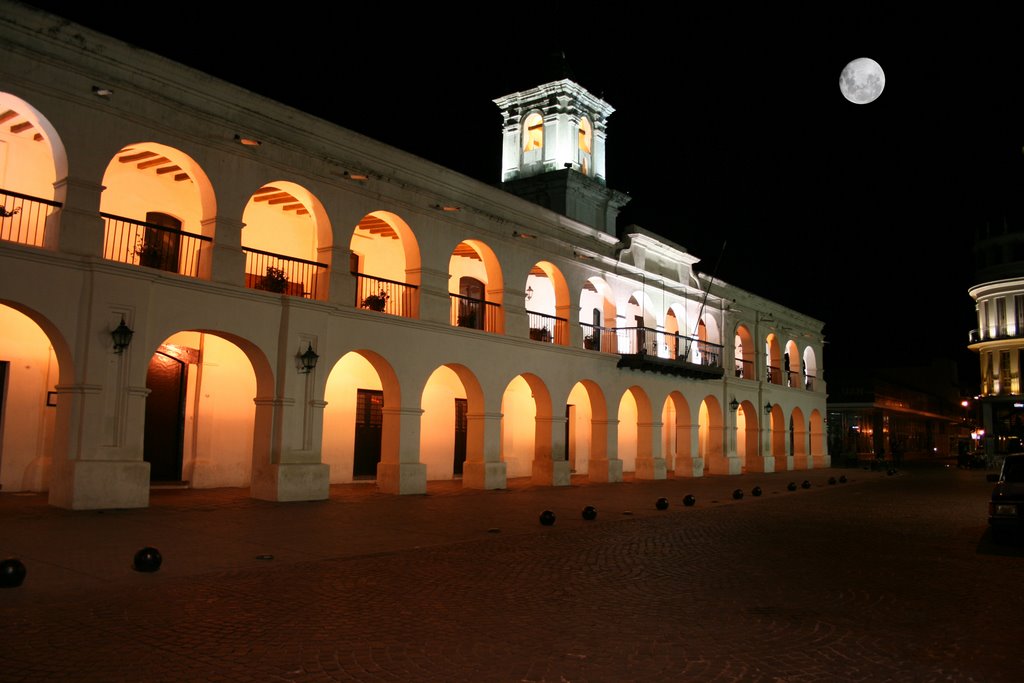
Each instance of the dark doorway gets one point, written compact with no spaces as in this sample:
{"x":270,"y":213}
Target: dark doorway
{"x":161,"y":242}
{"x":369,"y":422}
{"x":461,"y":428}
{"x":164,"y":434}
{"x":471,"y":305}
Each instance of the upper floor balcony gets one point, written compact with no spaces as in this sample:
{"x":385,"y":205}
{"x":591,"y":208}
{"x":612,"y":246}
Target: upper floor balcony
{"x":1000,"y":333}
{"x":386,"y":296}
{"x":475,"y":314}
{"x":152,"y":245}
{"x":23,"y":217}
{"x":644,"y":348}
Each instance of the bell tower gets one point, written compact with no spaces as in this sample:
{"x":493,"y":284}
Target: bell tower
{"x":553,"y":152}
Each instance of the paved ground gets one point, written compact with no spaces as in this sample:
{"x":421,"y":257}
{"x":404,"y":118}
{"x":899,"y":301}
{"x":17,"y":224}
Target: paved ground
{"x":882,"y":578}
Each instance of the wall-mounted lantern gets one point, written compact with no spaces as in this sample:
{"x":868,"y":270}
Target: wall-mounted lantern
{"x":734,"y":405}
{"x":767,"y":408}
{"x":307,"y":360}
{"x":122,"y":336}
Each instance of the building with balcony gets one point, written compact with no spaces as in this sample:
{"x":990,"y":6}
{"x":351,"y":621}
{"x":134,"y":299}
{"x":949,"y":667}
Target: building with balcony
{"x":999,"y":338}
{"x":202,"y":286}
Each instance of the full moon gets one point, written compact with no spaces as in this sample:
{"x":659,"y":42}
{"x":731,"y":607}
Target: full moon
{"x":862,"y":81}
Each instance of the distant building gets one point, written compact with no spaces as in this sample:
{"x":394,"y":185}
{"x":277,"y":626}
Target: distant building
{"x":898,"y":414}
{"x":202,"y":286}
{"x":999,"y":337}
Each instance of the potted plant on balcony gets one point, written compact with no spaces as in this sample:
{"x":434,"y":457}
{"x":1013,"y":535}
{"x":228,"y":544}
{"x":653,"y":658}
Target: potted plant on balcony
{"x":274,"y":281}
{"x":540,"y":334}
{"x":590,"y":342}
{"x":148,"y":253}
{"x":376,"y":302}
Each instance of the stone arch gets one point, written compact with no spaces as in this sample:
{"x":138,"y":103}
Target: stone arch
{"x":638,"y":332}
{"x":158,"y":208}
{"x":635,"y":436}
{"x":587,"y":415}
{"x":36,"y":374}
{"x":222,"y":384}
{"x":287,"y":229}
{"x":810,"y":369}
{"x":473,"y":260}
{"x":791,"y":366}
{"x":451,"y":431}
{"x":677,"y":437}
{"x":359,"y":436}
{"x":710,"y":437}
{"x":748,"y":435}
{"x":818,"y":438}
{"x":42,"y":160}
{"x":547,"y":303}
{"x":744,"y":353}
{"x":798,"y":439}
{"x":386,"y":261}
{"x":525,"y":424}
{"x":597,"y":315}
{"x":29,"y":197}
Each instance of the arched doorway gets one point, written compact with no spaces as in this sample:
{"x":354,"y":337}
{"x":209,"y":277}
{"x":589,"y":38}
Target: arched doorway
{"x":29,"y":376}
{"x":710,"y":437}
{"x":200,"y":416}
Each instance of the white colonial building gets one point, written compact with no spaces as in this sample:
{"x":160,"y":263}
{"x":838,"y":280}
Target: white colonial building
{"x":308,"y":306}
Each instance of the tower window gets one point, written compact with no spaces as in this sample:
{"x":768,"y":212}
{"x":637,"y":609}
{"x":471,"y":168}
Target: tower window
{"x":533,"y":132}
{"x":586,"y":133}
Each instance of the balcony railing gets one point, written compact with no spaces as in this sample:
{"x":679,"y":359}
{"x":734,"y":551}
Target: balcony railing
{"x":809,"y":382}
{"x":474,"y":313}
{"x":744,"y":369}
{"x":23,"y":217}
{"x":151,"y":245}
{"x":975,"y":336}
{"x":548,"y":328}
{"x":774,"y":375}
{"x":282,"y":274}
{"x":597,"y":338}
{"x":386,"y":296}
{"x":651,"y":342}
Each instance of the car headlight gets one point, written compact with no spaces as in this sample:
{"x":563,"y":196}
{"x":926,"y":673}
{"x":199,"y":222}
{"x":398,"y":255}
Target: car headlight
{"x":1003,"y":509}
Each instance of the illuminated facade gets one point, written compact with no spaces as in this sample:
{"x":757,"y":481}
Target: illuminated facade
{"x":999,"y":337}
{"x":458,"y":330}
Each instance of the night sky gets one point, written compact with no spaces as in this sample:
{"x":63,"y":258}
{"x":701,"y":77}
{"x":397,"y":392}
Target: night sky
{"x":728,"y":129}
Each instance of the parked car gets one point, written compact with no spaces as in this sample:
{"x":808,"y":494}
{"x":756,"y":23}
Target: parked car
{"x":1007,"y":503}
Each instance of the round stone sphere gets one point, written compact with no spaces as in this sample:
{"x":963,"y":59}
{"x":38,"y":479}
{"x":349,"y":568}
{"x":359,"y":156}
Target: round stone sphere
{"x":147,"y":559}
{"x":831,"y":481}
{"x":757,"y":491}
{"x":12,"y":572}
{"x":590,"y":513}
{"x":737,"y":494}
{"x":689,"y":500}
{"x":791,"y":486}
{"x":661,"y":504}
{"x":806,"y":484}
{"x":842,"y":478}
{"x":547,"y":518}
